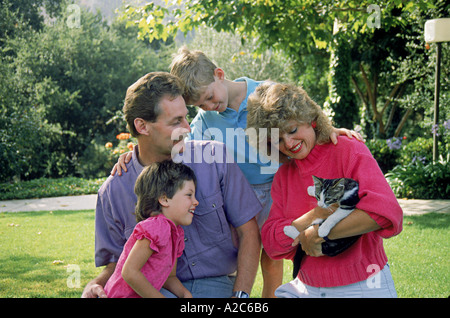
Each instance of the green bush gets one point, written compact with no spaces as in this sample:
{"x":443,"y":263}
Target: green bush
{"x":43,"y":188}
{"x":409,"y":168}
{"x":63,"y":87}
{"x":421,"y":181}
{"x":419,"y":149}
{"x":385,"y":156}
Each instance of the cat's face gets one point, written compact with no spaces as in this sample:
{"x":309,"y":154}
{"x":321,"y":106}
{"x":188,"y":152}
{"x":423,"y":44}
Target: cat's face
{"x":328,"y":191}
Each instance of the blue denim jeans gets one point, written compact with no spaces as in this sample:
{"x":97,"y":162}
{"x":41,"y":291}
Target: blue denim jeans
{"x":262,"y":192}
{"x":210,"y":287}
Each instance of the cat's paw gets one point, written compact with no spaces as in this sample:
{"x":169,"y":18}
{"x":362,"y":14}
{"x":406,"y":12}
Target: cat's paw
{"x":312,"y":191}
{"x":324,"y":230}
{"x":291,"y":231}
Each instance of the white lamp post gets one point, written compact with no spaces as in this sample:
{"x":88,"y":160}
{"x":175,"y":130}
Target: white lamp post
{"x":437,"y":31}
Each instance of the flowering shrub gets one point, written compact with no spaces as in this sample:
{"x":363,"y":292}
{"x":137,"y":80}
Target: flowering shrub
{"x":443,"y":129}
{"x":126,"y":143}
{"x":421,"y":181}
{"x":415,"y":175}
{"x":385,"y":152}
{"x":395,"y":142}
{"x":420,"y":149}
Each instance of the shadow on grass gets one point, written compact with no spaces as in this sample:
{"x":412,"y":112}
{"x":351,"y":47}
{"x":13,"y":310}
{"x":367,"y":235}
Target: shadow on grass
{"x":429,"y":220}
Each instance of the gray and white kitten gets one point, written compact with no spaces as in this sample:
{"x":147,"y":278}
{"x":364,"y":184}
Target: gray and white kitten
{"x":328,"y":191}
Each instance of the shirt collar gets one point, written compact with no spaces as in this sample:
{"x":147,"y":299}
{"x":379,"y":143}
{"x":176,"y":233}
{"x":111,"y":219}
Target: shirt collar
{"x":137,"y":165}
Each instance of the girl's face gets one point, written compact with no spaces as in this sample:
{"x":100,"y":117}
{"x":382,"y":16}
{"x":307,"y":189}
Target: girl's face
{"x":180,"y":209}
{"x":298,"y":141}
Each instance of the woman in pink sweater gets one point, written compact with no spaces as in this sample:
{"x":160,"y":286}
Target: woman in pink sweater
{"x":362,"y":269}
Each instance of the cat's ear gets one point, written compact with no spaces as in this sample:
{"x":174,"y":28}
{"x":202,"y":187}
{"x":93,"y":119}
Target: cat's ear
{"x":317,"y":180}
{"x":338,"y":183}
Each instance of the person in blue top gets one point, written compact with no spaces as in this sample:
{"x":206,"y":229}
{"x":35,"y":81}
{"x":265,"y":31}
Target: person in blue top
{"x":223,"y":117}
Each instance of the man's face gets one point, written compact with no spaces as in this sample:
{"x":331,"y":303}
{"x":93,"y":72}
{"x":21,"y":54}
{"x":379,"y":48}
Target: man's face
{"x":169,"y":128}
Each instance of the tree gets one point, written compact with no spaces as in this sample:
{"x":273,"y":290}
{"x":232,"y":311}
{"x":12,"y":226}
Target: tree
{"x":341,"y":100}
{"x":396,"y":71}
{"x":300,"y":28}
{"x":61,"y":87}
{"x":28,"y":12}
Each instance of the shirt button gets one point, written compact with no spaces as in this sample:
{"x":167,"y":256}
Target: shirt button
{"x":185,"y":239}
{"x":193,"y":264}
{"x":214,"y":205}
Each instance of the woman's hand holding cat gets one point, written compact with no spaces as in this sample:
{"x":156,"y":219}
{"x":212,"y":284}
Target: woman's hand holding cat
{"x":303,"y":222}
{"x":323,"y":213}
{"x":310,"y":241}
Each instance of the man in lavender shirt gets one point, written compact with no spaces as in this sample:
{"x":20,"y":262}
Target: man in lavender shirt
{"x":222,"y":244}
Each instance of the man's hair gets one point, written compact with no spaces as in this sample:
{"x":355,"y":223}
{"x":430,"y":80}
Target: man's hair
{"x":272,"y":105}
{"x":155,"y":181}
{"x":196,"y":71}
{"x":143,"y":97}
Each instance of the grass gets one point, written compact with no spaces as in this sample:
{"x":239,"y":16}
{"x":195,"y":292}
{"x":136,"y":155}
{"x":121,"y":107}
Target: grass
{"x":30,"y":244}
{"x":32,"y":241}
{"x":420,"y":256}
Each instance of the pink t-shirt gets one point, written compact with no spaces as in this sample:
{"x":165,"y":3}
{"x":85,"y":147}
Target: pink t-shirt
{"x":167,"y":242}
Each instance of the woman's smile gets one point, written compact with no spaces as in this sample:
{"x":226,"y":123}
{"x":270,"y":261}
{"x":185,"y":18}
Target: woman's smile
{"x":297,"y":147}
{"x":298,"y":141}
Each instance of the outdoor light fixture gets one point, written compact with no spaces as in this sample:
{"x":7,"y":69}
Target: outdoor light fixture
{"x":437,"y":31}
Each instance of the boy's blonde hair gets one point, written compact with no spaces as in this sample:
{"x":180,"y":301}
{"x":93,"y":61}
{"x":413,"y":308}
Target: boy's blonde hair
{"x":196,"y":71}
{"x":272,"y":105}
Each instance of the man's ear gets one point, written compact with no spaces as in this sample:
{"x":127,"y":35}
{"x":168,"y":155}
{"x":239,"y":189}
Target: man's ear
{"x":141,"y":126}
{"x":219,"y":73}
{"x":163,"y":200}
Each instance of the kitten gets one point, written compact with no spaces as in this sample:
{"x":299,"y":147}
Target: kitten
{"x":328,"y":191}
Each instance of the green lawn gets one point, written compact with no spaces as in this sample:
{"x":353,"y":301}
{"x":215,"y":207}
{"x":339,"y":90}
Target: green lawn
{"x":32,"y":241}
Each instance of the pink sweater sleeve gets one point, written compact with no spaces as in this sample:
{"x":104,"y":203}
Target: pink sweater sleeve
{"x":376,"y":196}
{"x":276,"y":244}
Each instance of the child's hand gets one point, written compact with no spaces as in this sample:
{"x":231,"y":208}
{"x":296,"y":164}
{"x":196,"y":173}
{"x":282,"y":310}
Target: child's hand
{"x":187,"y":294}
{"x":343,"y":131}
{"x":122,"y":163}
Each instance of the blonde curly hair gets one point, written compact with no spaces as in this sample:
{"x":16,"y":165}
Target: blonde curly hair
{"x":273,"y":105}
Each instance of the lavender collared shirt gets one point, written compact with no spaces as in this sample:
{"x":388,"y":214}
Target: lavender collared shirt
{"x":226,"y":201}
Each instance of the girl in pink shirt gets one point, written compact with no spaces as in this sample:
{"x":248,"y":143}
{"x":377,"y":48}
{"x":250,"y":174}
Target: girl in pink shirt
{"x":165,"y":201}
{"x":359,"y":271}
